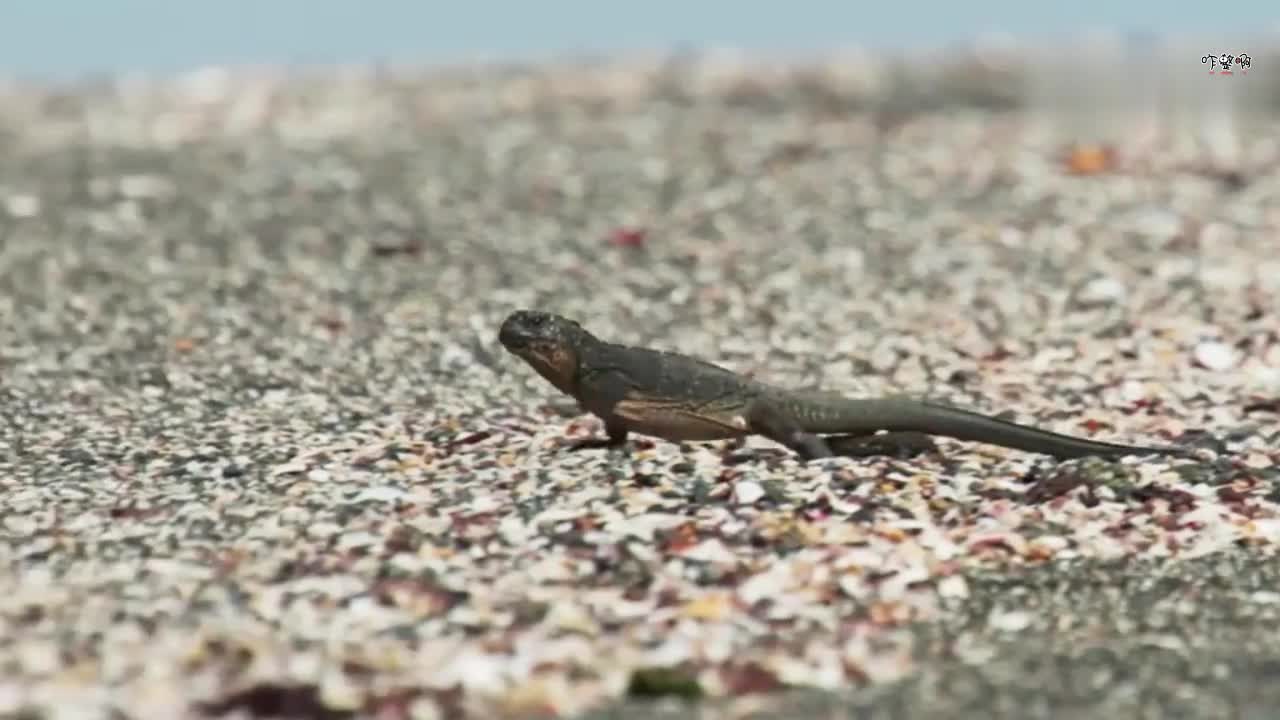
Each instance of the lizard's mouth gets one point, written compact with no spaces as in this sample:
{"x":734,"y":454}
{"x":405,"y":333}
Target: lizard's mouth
{"x":551,"y":360}
{"x":513,"y":340}
{"x":530,"y":349}
{"x":548,"y":354}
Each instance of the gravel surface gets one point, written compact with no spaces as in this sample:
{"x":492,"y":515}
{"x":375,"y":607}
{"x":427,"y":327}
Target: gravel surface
{"x":262,"y":454}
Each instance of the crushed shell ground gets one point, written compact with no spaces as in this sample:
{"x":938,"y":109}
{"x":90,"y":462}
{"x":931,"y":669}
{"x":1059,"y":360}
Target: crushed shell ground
{"x":261,"y":454}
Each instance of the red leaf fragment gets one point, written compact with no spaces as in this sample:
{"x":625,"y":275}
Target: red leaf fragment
{"x":749,"y":679}
{"x":1094,"y":425}
{"x":1090,"y":159}
{"x":628,"y":237}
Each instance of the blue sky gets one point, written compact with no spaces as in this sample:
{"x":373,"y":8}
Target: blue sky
{"x":66,"y":38}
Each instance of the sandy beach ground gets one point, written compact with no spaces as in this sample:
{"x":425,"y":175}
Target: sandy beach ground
{"x":261,"y":454}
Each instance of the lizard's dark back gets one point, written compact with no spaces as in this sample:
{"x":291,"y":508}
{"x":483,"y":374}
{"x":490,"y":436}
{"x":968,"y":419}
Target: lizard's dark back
{"x":665,"y":375}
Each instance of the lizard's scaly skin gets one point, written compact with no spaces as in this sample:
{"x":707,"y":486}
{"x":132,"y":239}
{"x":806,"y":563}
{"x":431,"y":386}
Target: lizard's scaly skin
{"x":677,"y":397}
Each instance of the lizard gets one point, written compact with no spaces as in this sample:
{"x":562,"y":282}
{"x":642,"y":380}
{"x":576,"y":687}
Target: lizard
{"x":679,"y":398}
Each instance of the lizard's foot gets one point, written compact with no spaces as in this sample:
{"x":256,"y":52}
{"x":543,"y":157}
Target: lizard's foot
{"x":615,"y":439}
{"x":902,"y":444}
{"x":775,"y":423}
{"x":595,"y":443}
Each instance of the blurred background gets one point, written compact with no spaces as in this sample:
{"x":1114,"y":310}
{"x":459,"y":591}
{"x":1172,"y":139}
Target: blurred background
{"x":62,"y":38}
{"x":1101,"y":71}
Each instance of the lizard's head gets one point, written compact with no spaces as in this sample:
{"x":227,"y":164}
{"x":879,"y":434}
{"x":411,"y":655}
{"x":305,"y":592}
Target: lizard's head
{"x":546,"y":341}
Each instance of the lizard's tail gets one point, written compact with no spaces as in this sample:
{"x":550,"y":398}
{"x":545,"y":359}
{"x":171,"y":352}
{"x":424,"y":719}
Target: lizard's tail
{"x":896,"y":414}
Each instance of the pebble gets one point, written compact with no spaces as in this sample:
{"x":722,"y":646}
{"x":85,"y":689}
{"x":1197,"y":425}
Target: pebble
{"x":1011,"y":621}
{"x":1215,"y":355}
{"x":711,"y":551}
{"x":383,"y":494}
{"x":1102,"y":290}
{"x":747,"y":492}
{"x":22,"y":206}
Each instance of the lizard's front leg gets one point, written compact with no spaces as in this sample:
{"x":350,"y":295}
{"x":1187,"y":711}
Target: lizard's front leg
{"x":615,"y":438}
{"x":598,"y":392}
{"x":768,"y":419}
